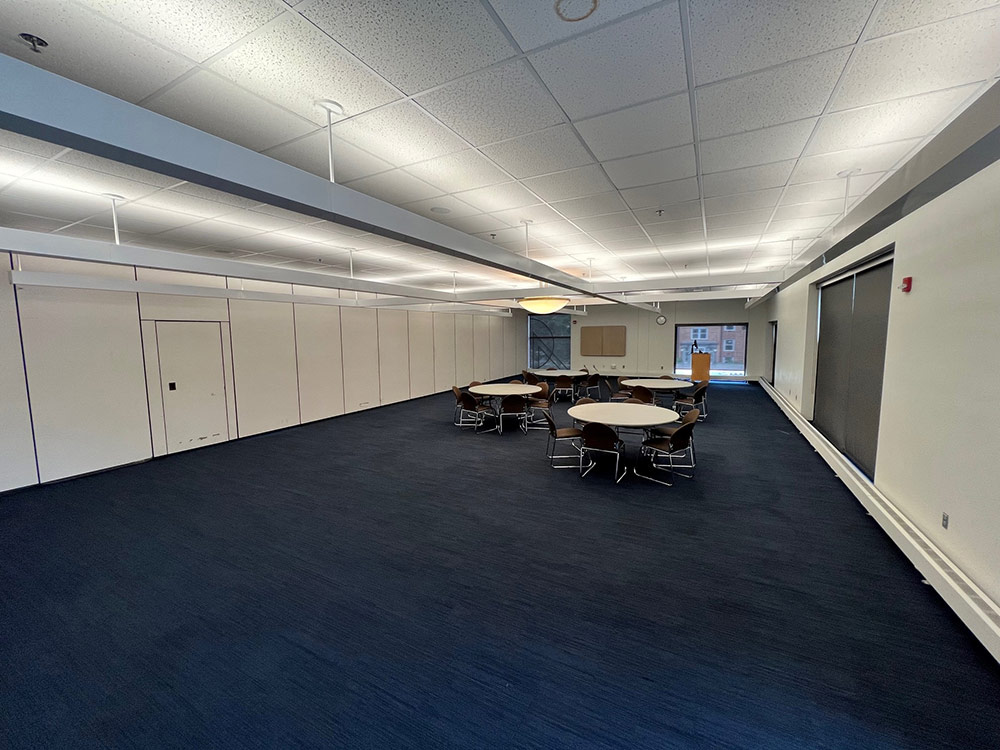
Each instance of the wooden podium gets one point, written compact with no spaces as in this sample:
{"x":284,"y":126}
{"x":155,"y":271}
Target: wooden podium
{"x":701,"y":364}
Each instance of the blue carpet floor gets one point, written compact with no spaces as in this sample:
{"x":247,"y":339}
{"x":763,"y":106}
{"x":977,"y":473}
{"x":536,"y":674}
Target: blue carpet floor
{"x":384,"y":580}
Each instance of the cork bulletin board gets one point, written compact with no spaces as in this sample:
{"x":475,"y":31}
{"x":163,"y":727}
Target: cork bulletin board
{"x":602,"y":341}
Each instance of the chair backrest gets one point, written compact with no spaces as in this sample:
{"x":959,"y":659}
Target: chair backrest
{"x":681,"y":438}
{"x":458,"y":394}
{"x":530,"y":378}
{"x":474,"y":382}
{"x":622,"y":379}
{"x":515,"y":381}
{"x":564,"y":381}
{"x":552,"y":369}
{"x":593,"y":380}
{"x":585,"y":400}
{"x":512,"y":405}
{"x":691,"y":415}
{"x":666,"y":377}
{"x":643,"y":394}
{"x":634,"y":400}
{"x":544,"y":393}
{"x":468,"y":401}
{"x":599,"y":436}
{"x":550,"y":422}
{"x":699,"y":392}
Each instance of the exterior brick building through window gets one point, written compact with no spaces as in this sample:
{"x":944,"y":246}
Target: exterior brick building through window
{"x":726,"y":343}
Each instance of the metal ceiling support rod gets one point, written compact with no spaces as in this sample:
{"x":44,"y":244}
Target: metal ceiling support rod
{"x":114,"y":213}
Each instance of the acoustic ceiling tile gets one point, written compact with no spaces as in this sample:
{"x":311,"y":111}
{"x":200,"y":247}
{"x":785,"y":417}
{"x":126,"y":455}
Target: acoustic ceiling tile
{"x":474,"y":224}
{"x":951,"y":53}
{"x":550,"y":150}
{"x":538,"y":213}
{"x":400,"y":133}
{"x":829,"y":189}
{"x":396,"y":187}
{"x":662,"y":195}
{"x":807,"y":210}
{"x":592,"y":205}
{"x":733,"y":37}
{"x":454,"y":38}
{"x":747,"y":179}
{"x":497,"y":103}
{"x":624,"y":63}
{"x":455,"y":207}
{"x":311,"y":154}
{"x":607,"y":221}
{"x":791,"y":92}
{"x":653,"y":126}
{"x":24,"y":144}
{"x":498,"y":197}
{"x":879,"y":158}
{"x":462,"y":170}
{"x":742,"y":201}
{"x":293,"y":63}
{"x":758,"y":216}
{"x":899,"y":15}
{"x":914,"y":117}
{"x":673,"y":228}
{"x":764,"y":146}
{"x":573,"y":183}
{"x":535,"y":24}
{"x":651,"y":169}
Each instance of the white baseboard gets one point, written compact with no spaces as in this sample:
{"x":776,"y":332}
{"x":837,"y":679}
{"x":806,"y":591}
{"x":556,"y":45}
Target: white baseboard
{"x":977,"y":610}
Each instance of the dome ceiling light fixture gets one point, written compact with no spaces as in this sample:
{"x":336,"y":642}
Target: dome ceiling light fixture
{"x":572,"y":11}
{"x":544,"y":304}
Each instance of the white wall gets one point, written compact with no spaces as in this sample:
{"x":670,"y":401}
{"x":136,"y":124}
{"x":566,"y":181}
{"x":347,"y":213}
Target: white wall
{"x":88,"y":390}
{"x":649,"y":348}
{"x":938,"y":444}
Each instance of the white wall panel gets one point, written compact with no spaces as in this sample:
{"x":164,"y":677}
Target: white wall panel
{"x":393,"y":355}
{"x":263,"y":338}
{"x":481,"y":348}
{"x":444,"y":352}
{"x":227,"y":363}
{"x":151,"y":358}
{"x":521,"y":340}
{"x":510,"y":347}
{"x":85,"y":376}
{"x":497,"y":369}
{"x":321,"y":366}
{"x":464,"y":354}
{"x":421,"y":329}
{"x":360,"y":344}
{"x":17,"y":465}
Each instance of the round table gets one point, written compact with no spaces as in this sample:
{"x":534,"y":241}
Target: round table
{"x":560,"y":373}
{"x":616,"y":414}
{"x":504,"y":389}
{"x":657,"y":384}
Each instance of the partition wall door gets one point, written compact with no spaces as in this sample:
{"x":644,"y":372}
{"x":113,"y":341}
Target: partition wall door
{"x":853,"y":321}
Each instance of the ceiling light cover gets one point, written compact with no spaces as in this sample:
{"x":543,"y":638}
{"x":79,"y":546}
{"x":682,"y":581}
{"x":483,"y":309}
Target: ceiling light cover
{"x":543,"y":305}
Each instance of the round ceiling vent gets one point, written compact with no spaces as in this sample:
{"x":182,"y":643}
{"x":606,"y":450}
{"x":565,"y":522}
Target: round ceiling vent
{"x":36,"y":42}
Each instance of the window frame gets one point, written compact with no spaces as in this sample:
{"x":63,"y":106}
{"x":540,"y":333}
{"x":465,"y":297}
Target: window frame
{"x":721,"y":326}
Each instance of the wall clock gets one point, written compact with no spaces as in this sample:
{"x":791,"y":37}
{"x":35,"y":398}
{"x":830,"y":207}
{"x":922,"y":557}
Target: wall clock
{"x":661,"y":319}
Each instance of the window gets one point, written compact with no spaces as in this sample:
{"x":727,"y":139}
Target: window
{"x":728,"y":354}
{"x":548,"y":341}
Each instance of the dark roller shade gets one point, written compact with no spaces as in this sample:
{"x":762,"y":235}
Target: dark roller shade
{"x":867,"y":362}
{"x":833,"y":366}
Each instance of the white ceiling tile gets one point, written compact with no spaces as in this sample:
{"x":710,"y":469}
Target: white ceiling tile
{"x":672,"y":228}
{"x":674,"y":212}
{"x":263,"y":222}
{"x":464,"y":170}
{"x":573,"y":183}
{"x":656,"y":125}
{"x":556,"y":228}
{"x":802,"y":225}
{"x":550,"y":150}
{"x":215,"y":196}
{"x":742,"y":202}
{"x":401,"y":134}
{"x":628,"y":245}
{"x":14,"y":220}
{"x":631,"y":61}
{"x":537,"y":214}
{"x":650,"y":169}
{"x":311,"y":154}
{"x":889,"y":121}
{"x":210,"y":232}
{"x":806,"y":210}
{"x":182,"y":202}
{"x":663,"y":194}
{"x":136,"y":217}
{"x":757,"y":147}
{"x":950,"y":53}
{"x":135,"y":70}
{"x":396,"y":187}
{"x":89,"y":181}
{"x":53,"y":202}
{"x":535,"y":24}
{"x":294,"y":64}
{"x":828,"y":189}
{"x":748,"y":178}
{"x":498,"y":197}
{"x":217,"y":106}
{"x":474,"y":224}
{"x":33,"y":146}
{"x":99,"y":164}
{"x":192,"y":27}
{"x":681,"y":239}
{"x":414,"y":45}
{"x":455,"y":207}
{"x":630,"y":232}
{"x":732,"y":37}
{"x":899,"y":15}
{"x":607,"y":221}
{"x":569,"y":240}
{"x":871,"y":159}
{"x":791,"y":92}
{"x":18,"y":163}
{"x":497,"y":103}
{"x":592,"y":205}
{"x":758,"y":216}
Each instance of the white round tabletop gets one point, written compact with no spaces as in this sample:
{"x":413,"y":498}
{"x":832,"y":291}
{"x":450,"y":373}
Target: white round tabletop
{"x":623,"y":415}
{"x":559,"y":373}
{"x":657,"y":384}
{"x":504,"y":389}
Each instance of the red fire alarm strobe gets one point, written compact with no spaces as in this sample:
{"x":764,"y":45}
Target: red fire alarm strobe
{"x":907,"y":284}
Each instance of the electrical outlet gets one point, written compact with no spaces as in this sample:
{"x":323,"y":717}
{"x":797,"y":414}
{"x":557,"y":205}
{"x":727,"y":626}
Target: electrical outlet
{"x":944,"y":520}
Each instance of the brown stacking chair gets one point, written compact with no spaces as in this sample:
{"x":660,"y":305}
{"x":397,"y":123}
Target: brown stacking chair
{"x":530,"y":378}
{"x":597,"y":438}
{"x":538,"y":402}
{"x":632,"y":400}
{"x":620,"y":392}
{"x":696,"y":400}
{"x":584,"y":400}
{"x":557,"y":435}
{"x":592,"y":386}
{"x":643,"y":394}
{"x":564,"y":385}
{"x":458,"y":404}
{"x":513,"y":406}
{"x":667,"y":430}
{"x":676,"y":448}
{"x":473,"y":413}
{"x":515,"y":381}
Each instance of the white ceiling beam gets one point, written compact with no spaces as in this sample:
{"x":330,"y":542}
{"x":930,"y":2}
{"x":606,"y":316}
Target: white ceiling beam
{"x":43,"y":105}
